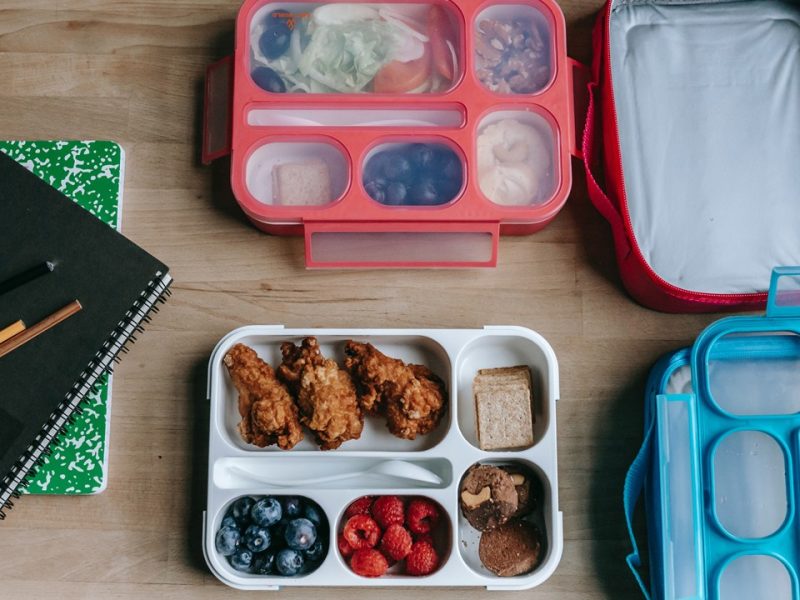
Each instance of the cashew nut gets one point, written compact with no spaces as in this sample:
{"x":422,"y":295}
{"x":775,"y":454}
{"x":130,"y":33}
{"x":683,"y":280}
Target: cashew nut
{"x":473,"y":500}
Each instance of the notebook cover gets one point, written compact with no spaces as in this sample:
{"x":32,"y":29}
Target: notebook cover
{"x":79,"y":460}
{"x":94,"y":264}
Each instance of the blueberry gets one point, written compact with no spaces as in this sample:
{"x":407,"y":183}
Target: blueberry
{"x":448,"y":188}
{"x":275,"y":40}
{"x":448,"y":166}
{"x":292,"y":506}
{"x":424,"y":193}
{"x":264,"y":563}
{"x":256,"y":538}
{"x":422,"y":156}
{"x":378,"y":181}
{"x":316,"y":552}
{"x":268,"y":80}
{"x":277,"y":532}
{"x":242,"y":560}
{"x":300,"y":534}
{"x":376,"y":188}
{"x":266,"y":512}
{"x":396,"y":193}
{"x":227,"y":540}
{"x":375,"y":165}
{"x":229,"y":521}
{"x":289,"y":562}
{"x":241,"y":509}
{"x":398,"y":168}
{"x":313,"y":513}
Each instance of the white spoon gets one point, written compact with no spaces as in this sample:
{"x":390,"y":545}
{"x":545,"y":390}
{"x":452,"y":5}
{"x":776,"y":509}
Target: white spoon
{"x":396,"y":469}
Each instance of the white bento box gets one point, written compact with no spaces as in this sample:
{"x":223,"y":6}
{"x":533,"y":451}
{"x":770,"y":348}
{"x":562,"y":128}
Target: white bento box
{"x":455,"y":355}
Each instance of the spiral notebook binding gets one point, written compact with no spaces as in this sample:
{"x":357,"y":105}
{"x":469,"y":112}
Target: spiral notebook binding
{"x":155,"y":293}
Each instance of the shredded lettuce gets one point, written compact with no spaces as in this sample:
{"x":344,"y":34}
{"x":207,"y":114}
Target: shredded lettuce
{"x":347,"y":56}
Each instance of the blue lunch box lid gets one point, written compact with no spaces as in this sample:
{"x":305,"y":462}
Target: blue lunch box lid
{"x":717,"y":464}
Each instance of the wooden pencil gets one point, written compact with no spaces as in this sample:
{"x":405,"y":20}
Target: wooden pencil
{"x":12,"y":330}
{"x":40,"y":327}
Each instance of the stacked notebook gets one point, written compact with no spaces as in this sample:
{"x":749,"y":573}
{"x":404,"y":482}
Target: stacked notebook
{"x":44,"y":443}
{"x":78,"y":461}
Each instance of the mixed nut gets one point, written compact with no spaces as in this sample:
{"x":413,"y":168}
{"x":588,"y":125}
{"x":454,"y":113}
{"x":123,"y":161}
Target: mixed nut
{"x":512,"y":56}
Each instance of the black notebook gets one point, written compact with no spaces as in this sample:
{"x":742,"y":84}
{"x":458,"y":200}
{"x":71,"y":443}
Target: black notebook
{"x":118,"y":285}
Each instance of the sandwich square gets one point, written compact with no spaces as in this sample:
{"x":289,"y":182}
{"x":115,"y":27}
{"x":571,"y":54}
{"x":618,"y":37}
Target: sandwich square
{"x":504,"y":417}
{"x":302,"y":184}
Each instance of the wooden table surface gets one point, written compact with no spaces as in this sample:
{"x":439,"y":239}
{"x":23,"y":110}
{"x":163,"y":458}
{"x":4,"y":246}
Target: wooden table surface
{"x":131,"y":71}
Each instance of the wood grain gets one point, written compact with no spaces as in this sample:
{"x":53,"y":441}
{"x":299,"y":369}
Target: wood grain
{"x":131,"y":71}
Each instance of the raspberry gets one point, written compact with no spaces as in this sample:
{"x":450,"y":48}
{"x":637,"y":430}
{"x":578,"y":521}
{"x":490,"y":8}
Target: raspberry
{"x":422,"y":515}
{"x":359,"y":507}
{"x":345,"y":549}
{"x":388,"y":510}
{"x":422,"y":560}
{"x":368,"y":563}
{"x":396,"y":542}
{"x":361,"y":532}
{"x":424,"y":537}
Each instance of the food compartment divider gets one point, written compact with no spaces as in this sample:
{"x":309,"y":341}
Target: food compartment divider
{"x":375,"y":439}
{"x":540,"y":120}
{"x":333,"y":571}
{"x":356,"y":142}
{"x":279,"y":115}
{"x":680,"y":496}
{"x":451,"y":456}
{"x":253,"y":14}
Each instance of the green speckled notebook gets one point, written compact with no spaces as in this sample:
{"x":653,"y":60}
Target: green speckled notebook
{"x":91,"y":173}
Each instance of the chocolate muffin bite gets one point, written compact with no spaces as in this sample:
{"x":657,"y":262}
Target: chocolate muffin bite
{"x":526,"y":486}
{"x":514,"y":548}
{"x":488,"y":497}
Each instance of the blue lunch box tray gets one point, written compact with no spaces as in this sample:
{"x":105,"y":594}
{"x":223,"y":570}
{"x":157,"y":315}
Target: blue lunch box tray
{"x":717,"y":466}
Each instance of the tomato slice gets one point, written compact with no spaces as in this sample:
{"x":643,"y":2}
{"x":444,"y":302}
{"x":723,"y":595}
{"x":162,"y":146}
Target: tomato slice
{"x":399,"y":77}
{"x":440,"y":32}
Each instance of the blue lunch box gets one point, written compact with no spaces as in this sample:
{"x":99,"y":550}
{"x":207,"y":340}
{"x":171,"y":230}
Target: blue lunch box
{"x":716,"y":468}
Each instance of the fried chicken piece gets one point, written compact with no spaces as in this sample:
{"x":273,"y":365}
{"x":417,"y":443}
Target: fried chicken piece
{"x":412,"y":397}
{"x":269,"y":416}
{"x":325,"y":394}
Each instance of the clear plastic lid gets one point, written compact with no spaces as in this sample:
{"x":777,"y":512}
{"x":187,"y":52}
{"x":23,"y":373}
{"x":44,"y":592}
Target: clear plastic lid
{"x":353,"y":48}
{"x":298,"y":173}
{"x":513,"y":51}
{"x":416,"y":174}
{"x":516,"y":158}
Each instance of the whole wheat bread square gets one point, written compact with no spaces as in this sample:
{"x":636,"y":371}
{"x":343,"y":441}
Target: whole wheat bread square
{"x":488,"y":384}
{"x":302,"y":184}
{"x":519,"y":369}
{"x":504,"y":374}
{"x":504,"y":417}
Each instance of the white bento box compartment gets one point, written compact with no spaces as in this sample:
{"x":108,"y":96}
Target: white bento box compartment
{"x":455,"y":355}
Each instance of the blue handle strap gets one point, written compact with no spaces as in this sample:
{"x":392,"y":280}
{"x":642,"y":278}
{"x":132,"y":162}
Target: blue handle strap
{"x":634,"y":485}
